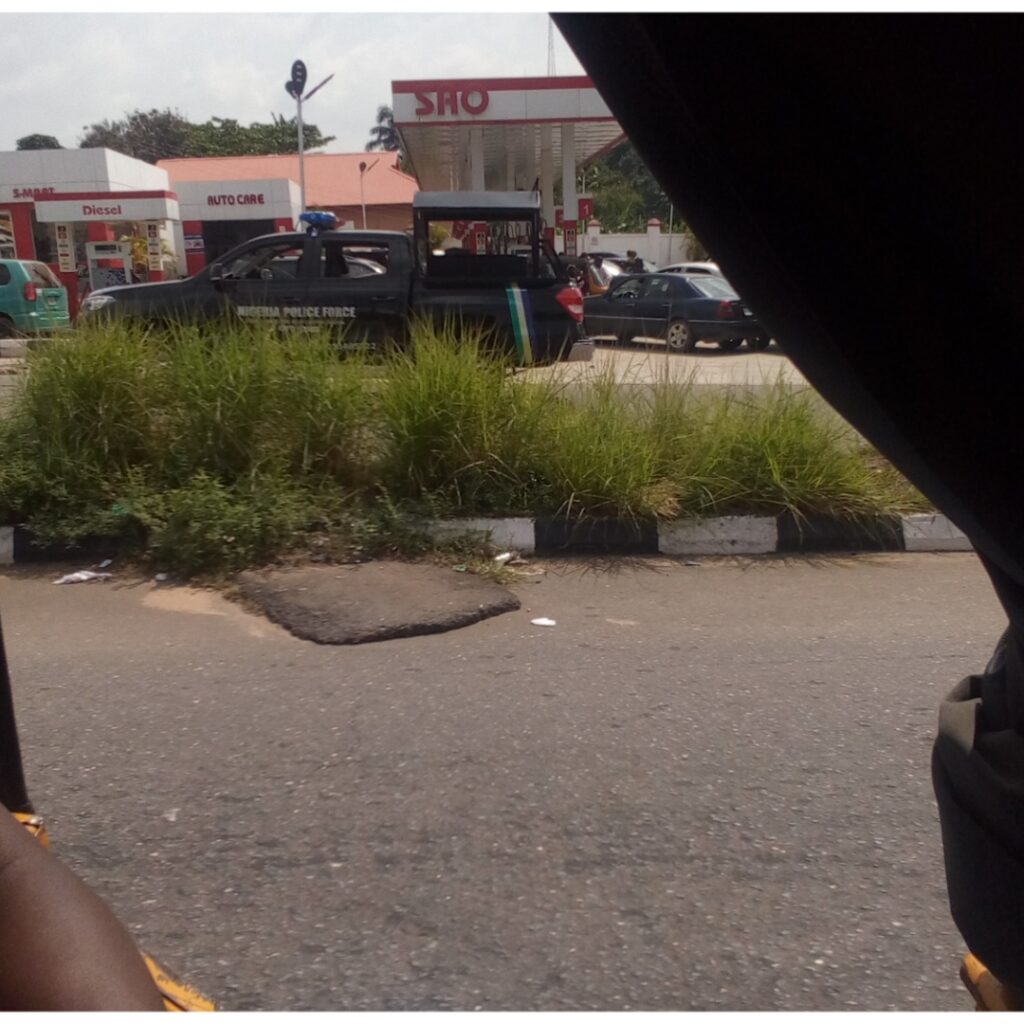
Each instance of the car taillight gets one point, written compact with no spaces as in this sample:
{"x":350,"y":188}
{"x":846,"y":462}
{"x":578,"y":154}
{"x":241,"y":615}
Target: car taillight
{"x":30,"y":292}
{"x":727,"y":310}
{"x":572,"y":302}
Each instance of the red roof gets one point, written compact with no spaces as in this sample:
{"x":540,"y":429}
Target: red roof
{"x":332,"y":179}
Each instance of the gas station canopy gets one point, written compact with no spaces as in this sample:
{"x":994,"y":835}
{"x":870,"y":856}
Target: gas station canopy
{"x":495,"y":133}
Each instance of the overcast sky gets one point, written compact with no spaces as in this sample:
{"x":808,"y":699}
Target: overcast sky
{"x":62,"y":71}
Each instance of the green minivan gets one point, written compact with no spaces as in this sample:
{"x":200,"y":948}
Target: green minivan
{"x":32,"y":299}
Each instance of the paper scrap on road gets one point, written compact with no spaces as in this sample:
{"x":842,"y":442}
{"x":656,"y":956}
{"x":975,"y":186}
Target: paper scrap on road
{"x":84,"y":576}
{"x":543,"y":622}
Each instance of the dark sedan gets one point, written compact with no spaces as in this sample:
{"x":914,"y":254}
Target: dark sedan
{"x":680,"y":308}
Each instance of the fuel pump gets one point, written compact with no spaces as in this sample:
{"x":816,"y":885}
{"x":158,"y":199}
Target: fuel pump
{"x":109,"y":263}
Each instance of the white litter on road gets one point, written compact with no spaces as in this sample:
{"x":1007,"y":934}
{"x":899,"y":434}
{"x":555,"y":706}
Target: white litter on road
{"x":543,"y":622}
{"x":84,"y":576}
{"x":504,"y":557}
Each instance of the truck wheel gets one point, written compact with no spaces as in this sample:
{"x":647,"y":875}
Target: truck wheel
{"x":729,"y":344}
{"x":7,"y":328}
{"x":679,"y":336}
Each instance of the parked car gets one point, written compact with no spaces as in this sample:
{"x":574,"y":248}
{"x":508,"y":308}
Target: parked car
{"x":590,"y":276}
{"x":680,"y":308}
{"x":699,"y":267}
{"x":615,"y":263}
{"x":32,"y":299}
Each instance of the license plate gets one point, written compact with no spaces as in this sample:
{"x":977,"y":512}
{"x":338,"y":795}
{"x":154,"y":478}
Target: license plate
{"x":746,"y":312}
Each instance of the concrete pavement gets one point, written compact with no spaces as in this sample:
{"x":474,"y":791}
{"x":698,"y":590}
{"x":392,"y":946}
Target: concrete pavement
{"x":707,"y":787}
{"x":647,"y":361}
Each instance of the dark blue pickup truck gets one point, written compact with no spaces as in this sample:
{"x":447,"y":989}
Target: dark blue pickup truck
{"x":371,"y":285}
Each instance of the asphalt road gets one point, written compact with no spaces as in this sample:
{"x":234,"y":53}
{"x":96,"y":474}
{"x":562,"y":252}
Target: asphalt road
{"x":707,"y":787}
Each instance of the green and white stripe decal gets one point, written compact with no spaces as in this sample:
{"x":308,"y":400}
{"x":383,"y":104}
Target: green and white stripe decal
{"x":518,"y":301}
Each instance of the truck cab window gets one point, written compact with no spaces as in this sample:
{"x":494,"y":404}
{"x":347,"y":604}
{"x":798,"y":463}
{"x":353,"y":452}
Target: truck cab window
{"x":351,"y":260}
{"x":273,"y":262}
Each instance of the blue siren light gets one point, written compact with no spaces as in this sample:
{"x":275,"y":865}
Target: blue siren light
{"x":318,"y":220}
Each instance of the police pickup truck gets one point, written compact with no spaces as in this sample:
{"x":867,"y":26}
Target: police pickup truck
{"x":371,"y":285}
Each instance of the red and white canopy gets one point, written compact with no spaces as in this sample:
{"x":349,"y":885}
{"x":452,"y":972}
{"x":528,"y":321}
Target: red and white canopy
{"x":516,"y":119}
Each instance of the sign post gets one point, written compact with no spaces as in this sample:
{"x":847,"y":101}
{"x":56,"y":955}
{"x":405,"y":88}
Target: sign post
{"x":154,"y":256}
{"x":65,"y":248}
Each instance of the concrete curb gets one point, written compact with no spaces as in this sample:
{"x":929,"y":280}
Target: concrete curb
{"x":724,"y":535}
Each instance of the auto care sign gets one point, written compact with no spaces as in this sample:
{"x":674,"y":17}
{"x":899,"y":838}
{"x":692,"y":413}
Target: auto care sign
{"x":265,"y":199}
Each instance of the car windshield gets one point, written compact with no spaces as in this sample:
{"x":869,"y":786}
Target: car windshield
{"x":600,"y":274}
{"x":713,"y":287}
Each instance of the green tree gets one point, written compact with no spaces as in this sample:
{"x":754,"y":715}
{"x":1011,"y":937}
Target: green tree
{"x":149,"y":135}
{"x":384,"y":135}
{"x":165,"y":134}
{"x":226,"y":137}
{"x":626,"y":194}
{"x":37,"y":142}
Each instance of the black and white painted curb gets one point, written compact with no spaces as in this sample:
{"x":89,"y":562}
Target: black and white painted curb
{"x":727,"y":535}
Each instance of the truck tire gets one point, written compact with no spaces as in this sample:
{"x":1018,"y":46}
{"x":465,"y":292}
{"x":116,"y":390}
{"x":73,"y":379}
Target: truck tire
{"x":7,"y":328}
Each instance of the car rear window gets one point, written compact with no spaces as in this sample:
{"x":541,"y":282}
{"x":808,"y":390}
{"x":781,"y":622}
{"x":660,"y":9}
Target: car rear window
{"x":42,"y":275}
{"x":5,"y":274}
{"x":713,"y":287}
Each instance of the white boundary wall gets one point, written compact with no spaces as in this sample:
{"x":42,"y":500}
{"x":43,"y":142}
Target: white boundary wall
{"x":655,"y":245}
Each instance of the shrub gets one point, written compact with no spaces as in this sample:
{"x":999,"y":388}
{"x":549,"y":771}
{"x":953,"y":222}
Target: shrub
{"x":212,"y":450}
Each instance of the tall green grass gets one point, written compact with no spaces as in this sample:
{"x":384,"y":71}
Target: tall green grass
{"x":217,"y":450}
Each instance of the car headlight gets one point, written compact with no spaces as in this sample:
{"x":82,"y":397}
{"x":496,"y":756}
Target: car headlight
{"x":94,"y":302}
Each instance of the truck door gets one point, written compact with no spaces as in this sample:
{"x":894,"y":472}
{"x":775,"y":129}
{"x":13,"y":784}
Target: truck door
{"x":359,"y":285}
{"x":268,"y":280}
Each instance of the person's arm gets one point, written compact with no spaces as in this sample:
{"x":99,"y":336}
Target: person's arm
{"x":61,"y":947}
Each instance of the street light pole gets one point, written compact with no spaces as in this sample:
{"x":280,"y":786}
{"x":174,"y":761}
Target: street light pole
{"x":294,"y":88}
{"x":362,"y":195}
{"x":302,"y":157}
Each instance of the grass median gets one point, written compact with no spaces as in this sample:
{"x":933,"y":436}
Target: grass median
{"x":211,"y":451}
